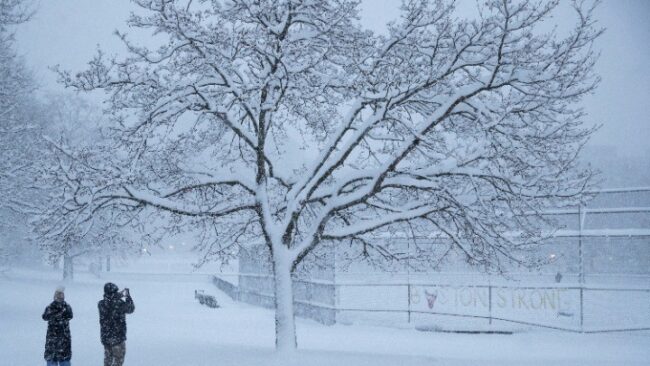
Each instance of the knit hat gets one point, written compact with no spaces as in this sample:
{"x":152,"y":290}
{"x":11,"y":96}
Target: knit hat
{"x":110,"y":288}
{"x":59,"y":294}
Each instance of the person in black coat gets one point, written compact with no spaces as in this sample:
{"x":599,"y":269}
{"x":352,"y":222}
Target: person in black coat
{"x":58,"y":343}
{"x":112,"y":322}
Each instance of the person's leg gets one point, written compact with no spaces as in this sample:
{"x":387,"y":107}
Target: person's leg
{"x":64,"y":363}
{"x":108,"y":356}
{"x":120,"y":352}
{"x":51,"y":363}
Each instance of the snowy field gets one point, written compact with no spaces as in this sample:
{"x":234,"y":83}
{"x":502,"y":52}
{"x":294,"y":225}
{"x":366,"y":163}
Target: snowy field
{"x":169,"y":327}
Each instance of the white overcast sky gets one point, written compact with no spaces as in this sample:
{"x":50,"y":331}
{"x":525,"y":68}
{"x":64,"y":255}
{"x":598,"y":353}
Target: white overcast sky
{"x":68,"y":32}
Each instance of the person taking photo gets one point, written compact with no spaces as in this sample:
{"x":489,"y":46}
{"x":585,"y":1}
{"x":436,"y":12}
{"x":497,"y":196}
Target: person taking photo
{"x":112,"y":320}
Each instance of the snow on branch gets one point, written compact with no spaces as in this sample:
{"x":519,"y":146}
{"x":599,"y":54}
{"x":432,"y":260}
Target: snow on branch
{"x":309,"y":129}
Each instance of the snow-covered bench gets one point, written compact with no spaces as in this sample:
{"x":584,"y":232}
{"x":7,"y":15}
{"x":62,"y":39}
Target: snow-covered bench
{"x":207,"y":300}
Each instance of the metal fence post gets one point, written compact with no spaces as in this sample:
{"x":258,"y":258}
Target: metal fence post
{"x":581,"y":274}
{"x":582,"y":312}
{"x":490,"y":302}
{"x":409,"y":301}
{"x":581,"y":269}
{"x":408,"y":277}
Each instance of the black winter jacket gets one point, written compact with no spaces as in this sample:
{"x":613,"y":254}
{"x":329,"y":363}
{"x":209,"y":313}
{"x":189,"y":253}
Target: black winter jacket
{"x":58,"y":343}
{"x":112,"y":318}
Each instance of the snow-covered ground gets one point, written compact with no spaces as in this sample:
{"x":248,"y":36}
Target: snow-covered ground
{"x":169,"y":327}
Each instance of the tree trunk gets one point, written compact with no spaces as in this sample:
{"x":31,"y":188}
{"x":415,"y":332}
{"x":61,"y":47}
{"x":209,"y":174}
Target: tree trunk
{"x":285,"y":325}
{"x":68,"y":268}
{"x":108,"y":263}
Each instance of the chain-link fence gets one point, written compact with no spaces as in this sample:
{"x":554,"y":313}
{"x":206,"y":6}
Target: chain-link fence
{"x":597,"y":280}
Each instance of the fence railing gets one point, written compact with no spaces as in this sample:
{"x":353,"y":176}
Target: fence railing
{"x":312,"y":299}
{"x":578,"y":294}
{"x":583,"y":309}
{"x":488,"y":307}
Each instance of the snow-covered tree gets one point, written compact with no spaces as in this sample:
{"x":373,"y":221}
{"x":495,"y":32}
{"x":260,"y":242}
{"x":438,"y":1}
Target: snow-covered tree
{"x":19,"y":115}
{"x":16,"y":85}
{"x":284,"y":122}
{"x":73,"y":127}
